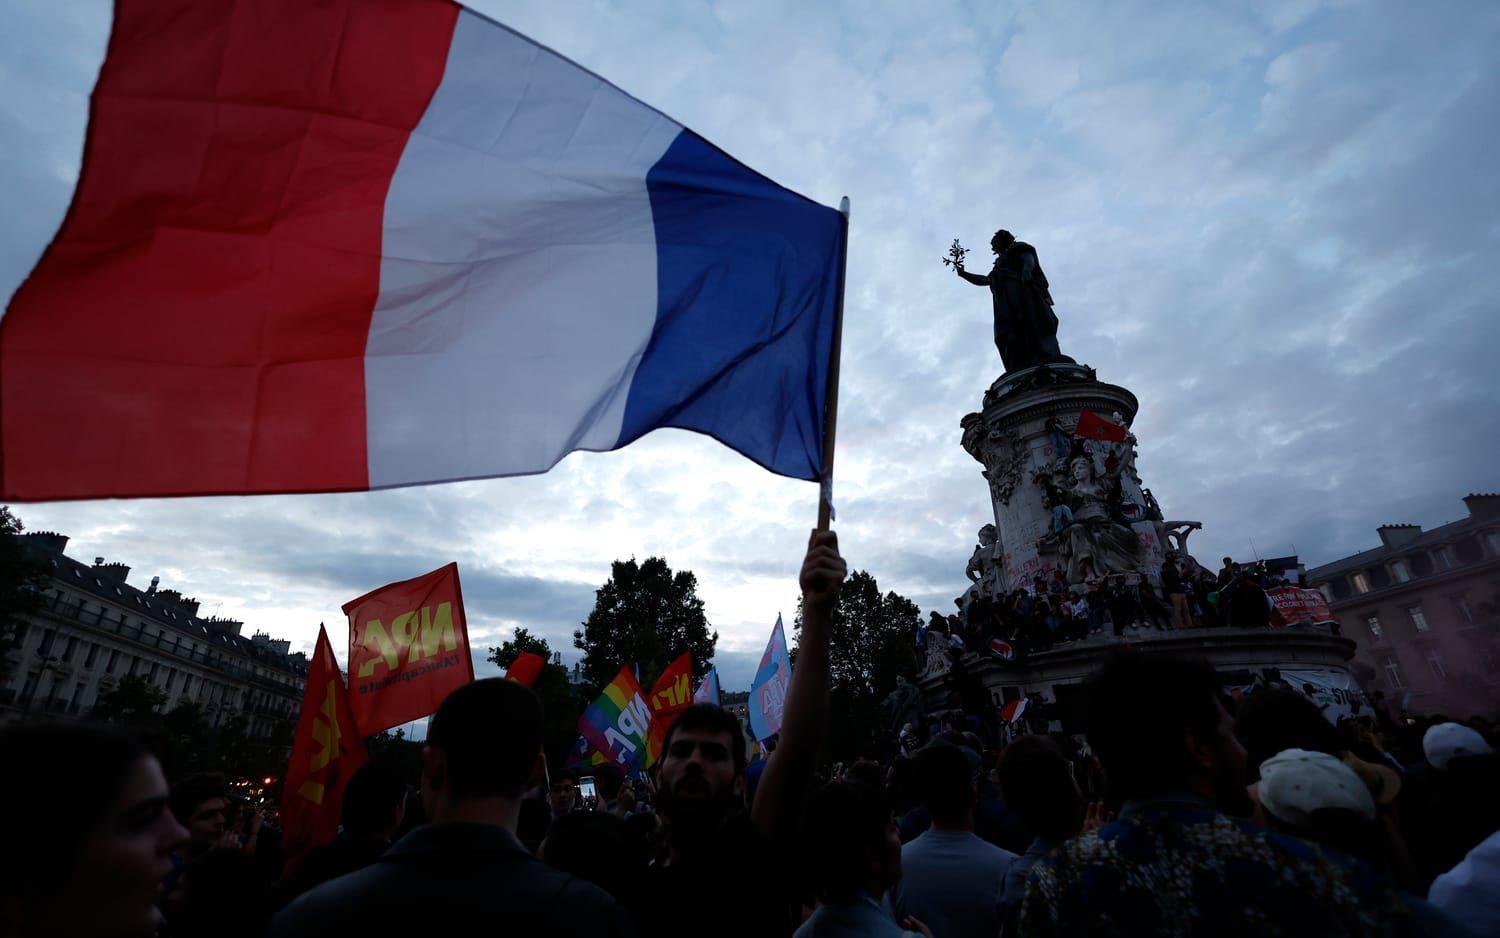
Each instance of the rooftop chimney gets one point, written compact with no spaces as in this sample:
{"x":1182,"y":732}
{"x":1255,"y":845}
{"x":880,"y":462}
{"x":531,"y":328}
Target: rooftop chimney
{"x":115,"y":572}
{"x":232,"y":626}
{"x":1398,"y":535}
{"x":49,"y":540}
{"x":1483,"y":506}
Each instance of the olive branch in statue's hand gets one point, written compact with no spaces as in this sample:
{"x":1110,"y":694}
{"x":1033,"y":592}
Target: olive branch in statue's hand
{"x":956,"y":254}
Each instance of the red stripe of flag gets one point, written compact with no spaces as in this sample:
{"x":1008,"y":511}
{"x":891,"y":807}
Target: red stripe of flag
{"x":215,"y":275}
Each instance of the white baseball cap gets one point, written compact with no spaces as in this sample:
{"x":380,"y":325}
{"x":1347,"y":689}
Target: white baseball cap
{"x":1294,"y":783}
{"x":1448,"y":741}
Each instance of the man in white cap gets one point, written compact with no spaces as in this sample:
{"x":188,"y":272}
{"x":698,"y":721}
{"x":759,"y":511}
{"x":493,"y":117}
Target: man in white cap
{"x":1448,"y":741}
{"x":1470,"y":892}
{"x":1316,"y":796}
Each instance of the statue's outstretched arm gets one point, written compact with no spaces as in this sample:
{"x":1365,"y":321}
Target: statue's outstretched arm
{"x":979,"y":280}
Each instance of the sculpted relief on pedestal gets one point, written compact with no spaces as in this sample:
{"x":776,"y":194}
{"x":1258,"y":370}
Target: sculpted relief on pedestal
{"x":1086,"y":536}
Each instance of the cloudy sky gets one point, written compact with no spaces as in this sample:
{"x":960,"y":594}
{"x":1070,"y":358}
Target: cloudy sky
{"x":1276,"y":222}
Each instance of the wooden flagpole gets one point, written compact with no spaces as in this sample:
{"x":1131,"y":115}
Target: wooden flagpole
{"x":831,"y":398}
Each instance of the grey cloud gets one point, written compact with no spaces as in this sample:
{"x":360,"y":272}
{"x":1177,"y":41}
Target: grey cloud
{"x":1272,"y":221}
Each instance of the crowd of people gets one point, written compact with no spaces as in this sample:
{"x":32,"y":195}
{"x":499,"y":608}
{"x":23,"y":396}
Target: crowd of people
{"x":1049,"y":612}
{"x":1179,"y":811}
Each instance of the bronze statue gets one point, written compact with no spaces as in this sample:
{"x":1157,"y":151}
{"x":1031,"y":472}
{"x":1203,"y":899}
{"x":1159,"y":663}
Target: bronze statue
{"x":1025,"y":326}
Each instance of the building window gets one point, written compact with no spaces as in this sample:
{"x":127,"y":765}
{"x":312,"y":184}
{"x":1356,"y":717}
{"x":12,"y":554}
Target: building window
{"x":1393,"y":672}
{"x":1400,"y":570}
{"x":1464,"y":610}
{"x":114,"y":655}
{"x":1373,"y":622}
{"x":88,"y":659}
{"x":48,"y":637}
{"x":77,"y":696}
{"x":1361,"y":582}
{"x":1327,"y":591}
{"x":69,"y":648}
{"x":151,"y":675}
{"x":1442,"y":558}
{"x":29,"y":689}
{"x":1418,"y":619}
{"x":1492,"y":538}
{"x":1435,"y":662}
{"x":135,"y":662}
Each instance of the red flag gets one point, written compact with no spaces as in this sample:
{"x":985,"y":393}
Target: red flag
{"x":1013,"y":711}
{"x":526,"y":668}
{"x":408,"y":648}
{"x":325,"y":752}
{"x":672,"y":694}
{"x":1091,"y":426}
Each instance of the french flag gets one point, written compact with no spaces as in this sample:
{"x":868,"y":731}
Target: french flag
{"x":335,"y":245}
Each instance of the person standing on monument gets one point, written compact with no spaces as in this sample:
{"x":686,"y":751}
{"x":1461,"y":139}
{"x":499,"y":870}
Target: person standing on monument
{"x":1025,"y":326}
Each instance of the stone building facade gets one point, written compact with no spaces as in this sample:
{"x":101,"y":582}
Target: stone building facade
{"x":1424,"y":611}
{"x":94,"y":628}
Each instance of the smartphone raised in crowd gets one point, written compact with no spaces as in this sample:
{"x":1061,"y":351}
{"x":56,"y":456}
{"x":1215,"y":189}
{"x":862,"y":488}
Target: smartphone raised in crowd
{"x":586,"y":787}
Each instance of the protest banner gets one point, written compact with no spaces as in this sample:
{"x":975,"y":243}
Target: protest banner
{"x":1293,"y":605}
{"x":1335,"y":692}
{"x":326,"y":749}
{"x":408,"y":649}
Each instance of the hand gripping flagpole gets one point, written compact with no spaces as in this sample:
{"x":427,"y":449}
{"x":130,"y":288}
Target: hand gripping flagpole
{"x":831,"y":398}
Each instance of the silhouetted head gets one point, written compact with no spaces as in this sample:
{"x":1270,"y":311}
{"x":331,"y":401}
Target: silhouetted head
{"x":1002,"y":240}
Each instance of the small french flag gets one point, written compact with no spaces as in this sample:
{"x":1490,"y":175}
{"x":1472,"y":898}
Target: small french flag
{"x":335,"y":245}
{"x":1013,"y":711}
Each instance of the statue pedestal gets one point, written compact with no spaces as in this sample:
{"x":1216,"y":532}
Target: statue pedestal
{"x":1014,"y":439}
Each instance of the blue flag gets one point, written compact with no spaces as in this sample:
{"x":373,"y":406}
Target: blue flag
{"x":768,"y":691}
{"x":708,"y":689}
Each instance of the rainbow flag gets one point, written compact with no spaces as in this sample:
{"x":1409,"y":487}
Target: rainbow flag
{"x":583,"y":753}
{"x":618,"y":724}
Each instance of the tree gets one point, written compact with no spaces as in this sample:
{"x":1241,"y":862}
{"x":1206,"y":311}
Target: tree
{"x":134,"y":701}
{"x":522,"y":641}
{"x":560,"y":703}
{"x":873,"y":639}
{"x":23,"y":582}
{"x":645,"y":615}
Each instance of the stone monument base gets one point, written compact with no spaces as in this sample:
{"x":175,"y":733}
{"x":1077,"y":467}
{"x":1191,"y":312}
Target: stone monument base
{"x":1053,"y":680}
{"x":1061,"y":502}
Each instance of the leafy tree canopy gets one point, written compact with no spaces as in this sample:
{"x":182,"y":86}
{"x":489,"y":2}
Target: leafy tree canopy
{"x":23,"y":584}
{"x":872,"y":640}
{"x":645,"y":615}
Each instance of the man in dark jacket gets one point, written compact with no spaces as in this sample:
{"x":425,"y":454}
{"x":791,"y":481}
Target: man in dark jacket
{"x":374,"y":805}
{"x":484,"y":748}
{"x":1249,"y":606}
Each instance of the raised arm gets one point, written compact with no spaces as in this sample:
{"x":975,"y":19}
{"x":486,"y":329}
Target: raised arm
{"x":979,"y":280}
{"x":804,"y":722}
